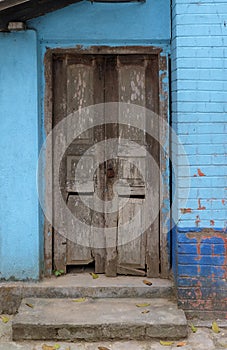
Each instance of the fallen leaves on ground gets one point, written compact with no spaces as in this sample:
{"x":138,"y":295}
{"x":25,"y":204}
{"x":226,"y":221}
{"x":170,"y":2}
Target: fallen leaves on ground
{"x":182,"y":343}
{"x":148,"y":283}
{"x":47,"y":347}
{"x":79,"y":300}
{"x":215,"y":327}
{"x":166,"y":343}
{"x":30,"y":305}
{"x":223,"y":345}
{"x":143,"y":305}
{"x":94,"y":275}
{"x":103,"y":348}
{"x":193,"y":328}
{"x":50,"y":347}
{"x":5,"y":319}
{"x":145,"y":312}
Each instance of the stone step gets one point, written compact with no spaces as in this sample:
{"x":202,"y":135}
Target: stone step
{"x":73,"y":286}
{"x":98,"y":319}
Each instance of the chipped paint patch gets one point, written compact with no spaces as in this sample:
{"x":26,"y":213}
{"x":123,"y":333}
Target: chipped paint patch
{"x":202,"y":271}
{"x":197,"y":221}
{"x":185,"y":210}
{"x":200,"y":173}
{"x":200,"y":207}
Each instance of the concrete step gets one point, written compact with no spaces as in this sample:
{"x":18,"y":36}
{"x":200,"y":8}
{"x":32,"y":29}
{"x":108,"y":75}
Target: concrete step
{"x":98,"y":319}
{"x":73,"y":286}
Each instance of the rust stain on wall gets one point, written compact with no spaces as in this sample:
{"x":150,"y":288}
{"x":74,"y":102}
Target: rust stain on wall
{"x":199,"y":205}
{"x":200,"y":173}
{"x":209,"y":234}
{"x":185,"y":210}
{"x":198,"y":258}
{"x":197,"y":221}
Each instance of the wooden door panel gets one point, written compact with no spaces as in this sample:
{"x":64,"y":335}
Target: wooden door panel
{"x":80,"y":91}
{"x":131,"y":84}
{"x":74,"y":89}
{"x":132,"y":163}
{"x":77,"y":254}
{"x":131,"y":256}
{"x":77,"y":177}
{"x":86,"y":80}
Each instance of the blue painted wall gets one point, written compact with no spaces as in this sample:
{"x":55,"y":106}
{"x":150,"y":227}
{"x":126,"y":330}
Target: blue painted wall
{"x":19,"y":231}
{"x":22,"y":89}
{"x":199,"y":111}
{"x":86,"y":23}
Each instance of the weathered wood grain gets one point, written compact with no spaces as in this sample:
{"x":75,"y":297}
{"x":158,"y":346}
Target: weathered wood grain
{"x":105,"y":75}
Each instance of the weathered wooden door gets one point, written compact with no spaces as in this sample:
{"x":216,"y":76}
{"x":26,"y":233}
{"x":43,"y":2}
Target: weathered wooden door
{"x":84,"y":80}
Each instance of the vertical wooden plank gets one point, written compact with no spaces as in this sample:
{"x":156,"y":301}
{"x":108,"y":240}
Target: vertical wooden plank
{"x":164,"y":166}
{"x":111,"y":131}
{"x":48,"y":110}
{"x":59,"y":142}
{"x":98,"y":219}
{"x":152,"y":103}
{"x":131,"y":256}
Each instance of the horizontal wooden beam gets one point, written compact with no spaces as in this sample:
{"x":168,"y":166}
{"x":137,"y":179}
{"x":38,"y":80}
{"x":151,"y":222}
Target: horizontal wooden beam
{"x":117,"y":1}
{"x":5,"y":4}
{"x":26,"y":9}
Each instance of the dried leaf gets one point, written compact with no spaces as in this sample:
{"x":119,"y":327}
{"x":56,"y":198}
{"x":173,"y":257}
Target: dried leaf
{"x":5,"y":319}
{"x":79,"y":300}
{"x":94,"y":275}
{"x":30,"y":305}
{"x":145,"y":312}
{"x":215,"y":327}
{"x":143,"y":305}
{"x":148,"y":283}
{"x":193,"y":328}
{"x":51,"y":347}
{"x":47,"y":347}
{"x":103,"y":348}
{"x":166,"y":343}
{"x":182,"y":343}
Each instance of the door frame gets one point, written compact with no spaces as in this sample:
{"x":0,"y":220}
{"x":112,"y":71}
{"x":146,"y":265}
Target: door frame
{"x":164,"y":215}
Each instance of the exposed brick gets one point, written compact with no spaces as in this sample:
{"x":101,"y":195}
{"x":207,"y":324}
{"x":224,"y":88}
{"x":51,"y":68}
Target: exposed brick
{"x":199,"y":112}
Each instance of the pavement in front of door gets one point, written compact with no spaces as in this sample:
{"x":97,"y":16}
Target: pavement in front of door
{"x":203,"y":339}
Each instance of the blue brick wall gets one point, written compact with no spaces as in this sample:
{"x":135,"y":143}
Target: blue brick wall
{"x":199,"y":116}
